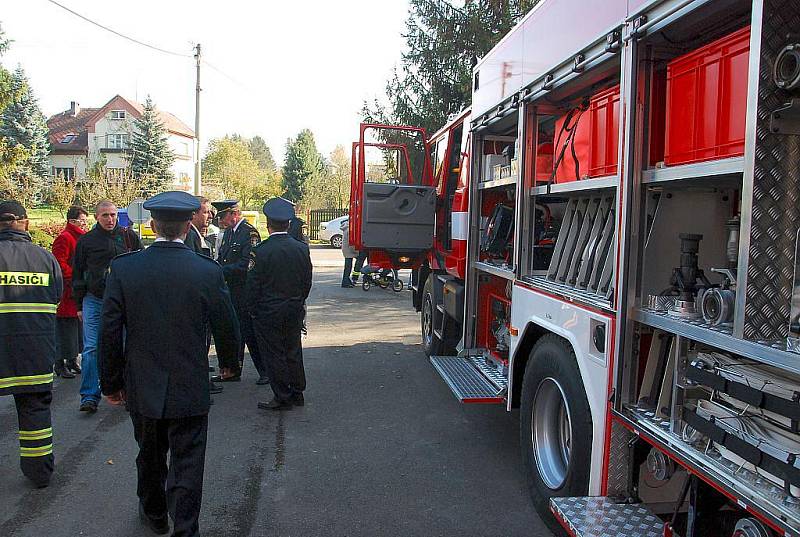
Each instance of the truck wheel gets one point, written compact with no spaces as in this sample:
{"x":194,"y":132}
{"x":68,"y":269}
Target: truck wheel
{"x":430,"y":318}
{"x":556,"y":426}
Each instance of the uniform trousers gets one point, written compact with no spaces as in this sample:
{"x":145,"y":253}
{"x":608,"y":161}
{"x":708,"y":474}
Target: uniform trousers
{"x":35,"y":435}
{"x":248,"y":336}
{"x":177,"y":488}
{"x":278,"y":333}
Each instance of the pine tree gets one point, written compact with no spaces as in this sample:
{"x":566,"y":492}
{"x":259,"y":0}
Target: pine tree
{"x":434,"y":80}
{"x":151,"y":156}
{"x":260,"y":151}
{"x":23,"y":129}
{"x":303,"y":165}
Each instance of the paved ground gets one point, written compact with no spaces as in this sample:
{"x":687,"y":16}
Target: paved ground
{"x":381,"y":447}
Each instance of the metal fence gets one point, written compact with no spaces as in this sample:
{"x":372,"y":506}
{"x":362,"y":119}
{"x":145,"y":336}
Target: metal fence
{"x":317,"y":216}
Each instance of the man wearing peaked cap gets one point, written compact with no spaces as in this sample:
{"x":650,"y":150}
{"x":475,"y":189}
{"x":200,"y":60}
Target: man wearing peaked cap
{"x":234,"y":256}
{"x":160,"y":299}
{"x":277,"y":287}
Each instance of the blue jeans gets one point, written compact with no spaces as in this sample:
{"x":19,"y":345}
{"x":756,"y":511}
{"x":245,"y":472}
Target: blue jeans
{"x":90,"y":378}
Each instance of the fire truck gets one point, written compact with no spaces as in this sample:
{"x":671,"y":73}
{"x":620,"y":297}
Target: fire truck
{"x":607,"y":244}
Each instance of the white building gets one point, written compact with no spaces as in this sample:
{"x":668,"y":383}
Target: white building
{"x":79,"y":137}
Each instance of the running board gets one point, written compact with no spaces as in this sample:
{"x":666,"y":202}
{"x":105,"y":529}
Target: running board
{"x":601,"y":516}
{"x":471,"y":378}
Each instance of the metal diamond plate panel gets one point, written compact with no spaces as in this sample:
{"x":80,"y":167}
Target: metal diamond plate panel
{"x":599,"y":516}
{"x":776,"y":191}
{"x":465,"y":380}
{"x":619,"y":463}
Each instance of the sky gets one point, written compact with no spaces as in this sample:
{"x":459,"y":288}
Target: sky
{"x":285,"y":66}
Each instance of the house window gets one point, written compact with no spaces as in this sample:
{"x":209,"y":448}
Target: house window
{"x":118,"y":114}
{"x":183,"y":147}
{"x":68,"y":138}
{"x":117,"y":141}
{"x":115,"y":173}
{"x":66,"y":173}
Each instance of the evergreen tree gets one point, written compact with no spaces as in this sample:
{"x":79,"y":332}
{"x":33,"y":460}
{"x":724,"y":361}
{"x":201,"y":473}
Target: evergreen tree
{"x":23,"y":124}
{"x":151,"y":156}
{"x":260,"y":151}
{"x":304,"y":164}
{"x":436,"y":69}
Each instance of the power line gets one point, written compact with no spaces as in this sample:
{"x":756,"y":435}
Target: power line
{"x":142,"y":43}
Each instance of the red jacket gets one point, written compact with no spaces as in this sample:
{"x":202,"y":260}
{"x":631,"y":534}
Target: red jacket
{"x":64,"y":250}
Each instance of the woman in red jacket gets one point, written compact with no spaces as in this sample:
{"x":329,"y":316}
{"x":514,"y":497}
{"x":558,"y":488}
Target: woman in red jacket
{"x":67,"y":322}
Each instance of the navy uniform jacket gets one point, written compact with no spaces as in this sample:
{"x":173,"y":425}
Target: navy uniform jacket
{"x":162,"y":299}
{"x":30,"y":288}
{"x":234,"y":254}
{"x":280,"y":275}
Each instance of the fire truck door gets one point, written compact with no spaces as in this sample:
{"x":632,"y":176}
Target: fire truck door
{"x":398,"y":218}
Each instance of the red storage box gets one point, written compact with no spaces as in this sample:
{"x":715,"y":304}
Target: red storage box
{"x":544,"y":162}
{"x":595,"y":141}
{"x":707,"y":101}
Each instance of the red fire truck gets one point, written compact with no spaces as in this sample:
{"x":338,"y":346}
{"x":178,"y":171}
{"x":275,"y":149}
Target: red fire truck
{"x":608,"y":242}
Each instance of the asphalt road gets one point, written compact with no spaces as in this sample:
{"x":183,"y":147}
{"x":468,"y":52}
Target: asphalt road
{"x":381,"y":447}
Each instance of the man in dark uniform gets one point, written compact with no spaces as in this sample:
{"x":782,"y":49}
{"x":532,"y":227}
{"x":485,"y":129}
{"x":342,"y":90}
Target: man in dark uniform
{"x":234,"y":256}
{"x":196,"y":241}
{"x":161,"y":299}
{"x":277,"y":286}
{"x":30,"y":288}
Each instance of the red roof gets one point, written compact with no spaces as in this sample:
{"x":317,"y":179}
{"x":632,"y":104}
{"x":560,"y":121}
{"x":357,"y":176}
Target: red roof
{"x":80,"y":125}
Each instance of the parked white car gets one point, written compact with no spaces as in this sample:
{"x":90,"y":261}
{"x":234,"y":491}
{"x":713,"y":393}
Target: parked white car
{"x":332,"y":231}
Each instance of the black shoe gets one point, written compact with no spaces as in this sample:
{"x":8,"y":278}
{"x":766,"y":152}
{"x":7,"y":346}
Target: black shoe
{"x":159,"y":526}
{"x":275,"y":405}
{"x":232,"y":378}
{"x":262,"y":380}
{"x":298,"y":400}
{"x":348,"y":285}
{"x":214,"y":388}
{"x":89,"y":406}
{"x":63,"y":372}
{"x":73,"y":368}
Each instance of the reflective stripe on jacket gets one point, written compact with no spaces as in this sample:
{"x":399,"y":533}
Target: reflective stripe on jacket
{"x":30,"y":288}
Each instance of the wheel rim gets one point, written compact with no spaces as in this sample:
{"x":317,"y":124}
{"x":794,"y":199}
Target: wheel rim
{"x":337,"y":242}
{"x":551,"y":432}
{"x":427,"y":321}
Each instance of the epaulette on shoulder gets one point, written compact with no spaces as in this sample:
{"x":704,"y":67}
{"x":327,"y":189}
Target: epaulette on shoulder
{"x":126,"y":254}
{"x":204,"y":256}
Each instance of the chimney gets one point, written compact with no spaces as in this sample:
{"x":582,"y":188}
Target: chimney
{"x":74,"y":108}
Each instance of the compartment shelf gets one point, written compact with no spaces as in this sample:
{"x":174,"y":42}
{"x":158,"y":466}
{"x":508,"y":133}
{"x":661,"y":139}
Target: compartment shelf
{"x":502,"y":272}
{"x":568,"y":292}
{"x":596,"y":183}
{"x":494,"y":183}
{"x":770,"y":353}
{"x":751,"y":490}
{"x":720,"y":169}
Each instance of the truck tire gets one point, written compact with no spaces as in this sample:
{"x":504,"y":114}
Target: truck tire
{"x":554,"y":410}
{"x":430,"y":317}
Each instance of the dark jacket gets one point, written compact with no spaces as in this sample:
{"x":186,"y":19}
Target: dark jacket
{"x":280,"y":275}
{"x":234,"y":254}
{"x":30,"y":288}
{"x":196,"y":243}
{"x":93,"y":254}
{"x":64,"y":251}
{"x":162,"y":299}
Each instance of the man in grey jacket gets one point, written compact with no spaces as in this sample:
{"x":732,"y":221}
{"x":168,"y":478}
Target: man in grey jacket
{"x":349,"y":254}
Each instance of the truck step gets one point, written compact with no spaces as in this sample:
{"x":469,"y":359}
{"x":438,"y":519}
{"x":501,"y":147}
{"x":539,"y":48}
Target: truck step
{"x":600,"y":516}
{"x":471,"y":378}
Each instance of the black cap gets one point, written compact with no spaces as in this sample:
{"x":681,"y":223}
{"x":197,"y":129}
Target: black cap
{"x":279,"y":209}
{"x":12,"y":210}
{"x":174,"y":206}
{"x":225,"y":205}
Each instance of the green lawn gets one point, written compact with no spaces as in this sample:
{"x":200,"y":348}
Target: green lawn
{"x":40,"y":215}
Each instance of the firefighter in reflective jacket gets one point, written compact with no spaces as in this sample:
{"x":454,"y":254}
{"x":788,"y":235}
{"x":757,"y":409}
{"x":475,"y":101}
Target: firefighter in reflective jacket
{"x":30,"y":288}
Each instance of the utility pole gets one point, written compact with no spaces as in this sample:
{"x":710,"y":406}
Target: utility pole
{"x":197,"y":181}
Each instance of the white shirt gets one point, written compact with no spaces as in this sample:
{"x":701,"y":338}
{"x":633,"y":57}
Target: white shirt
{"x":162,"y":239}
{"x":278,"y":233}
{"x":237,"y":225}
